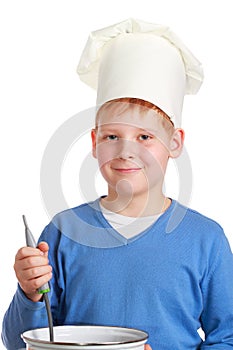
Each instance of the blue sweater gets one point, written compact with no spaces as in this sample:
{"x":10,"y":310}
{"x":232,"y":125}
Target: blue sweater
{"x":169,"y":280}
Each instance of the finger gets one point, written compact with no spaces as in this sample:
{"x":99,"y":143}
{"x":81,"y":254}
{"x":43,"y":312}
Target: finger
{"x":43,"y":246}
{"x":26,"y":275}
{"x":31,"y":261}
{"x":147,"y":347}
{"x":31,"y":286}
{"x":35,"y":272}
{"x":28,"y":251}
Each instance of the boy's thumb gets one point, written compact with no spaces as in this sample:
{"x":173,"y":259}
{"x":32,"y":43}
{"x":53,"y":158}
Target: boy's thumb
{"x":43,"y":246}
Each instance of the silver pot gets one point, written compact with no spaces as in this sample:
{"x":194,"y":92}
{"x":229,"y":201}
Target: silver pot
{"x":86,"y":337}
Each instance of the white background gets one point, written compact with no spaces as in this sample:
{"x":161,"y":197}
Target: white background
{"x":41,"y":42}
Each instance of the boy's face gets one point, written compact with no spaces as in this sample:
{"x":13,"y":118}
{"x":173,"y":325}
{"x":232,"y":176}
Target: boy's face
{"x":132,"y":147}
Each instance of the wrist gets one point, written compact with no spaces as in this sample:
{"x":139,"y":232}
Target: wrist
{"x":35,"y":297}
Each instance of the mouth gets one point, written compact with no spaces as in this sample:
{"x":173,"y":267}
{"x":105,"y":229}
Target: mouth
{"x":127,"y":170}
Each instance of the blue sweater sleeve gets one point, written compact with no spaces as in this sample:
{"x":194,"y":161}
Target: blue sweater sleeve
{"x":24,"y":314}
{"x":217,"y":321}
{"x":21,"y":315}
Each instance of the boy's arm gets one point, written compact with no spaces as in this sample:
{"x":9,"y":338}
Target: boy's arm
{"x":217,"y":316}
{"x":22,"y":314}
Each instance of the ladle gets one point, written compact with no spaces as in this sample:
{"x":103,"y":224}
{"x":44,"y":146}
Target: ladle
{"x":30,"y":241}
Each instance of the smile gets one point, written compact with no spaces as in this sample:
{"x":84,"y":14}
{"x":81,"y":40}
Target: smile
{"x":127,"y":170}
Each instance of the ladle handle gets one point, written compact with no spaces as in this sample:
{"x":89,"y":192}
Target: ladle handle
{"x":30,"y":241}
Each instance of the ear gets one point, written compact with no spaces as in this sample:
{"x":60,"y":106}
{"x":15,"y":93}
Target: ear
{"x":176,"y":143}
{"x":93,"y":138}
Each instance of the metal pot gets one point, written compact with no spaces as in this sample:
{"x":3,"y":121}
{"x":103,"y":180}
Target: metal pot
{"x":86,"y":337}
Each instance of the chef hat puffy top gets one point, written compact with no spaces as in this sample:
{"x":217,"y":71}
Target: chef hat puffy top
{"x":140,"y":60}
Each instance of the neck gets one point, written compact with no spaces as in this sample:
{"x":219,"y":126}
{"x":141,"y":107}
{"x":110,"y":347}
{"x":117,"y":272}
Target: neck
{"x":141,"y":205}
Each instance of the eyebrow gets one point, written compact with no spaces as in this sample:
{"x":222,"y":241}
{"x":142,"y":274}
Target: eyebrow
{"x":113,"y":129}
{"x":114,"y":125}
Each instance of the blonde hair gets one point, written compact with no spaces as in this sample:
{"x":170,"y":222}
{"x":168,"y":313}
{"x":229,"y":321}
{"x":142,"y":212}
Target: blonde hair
{"x":166,"y":120}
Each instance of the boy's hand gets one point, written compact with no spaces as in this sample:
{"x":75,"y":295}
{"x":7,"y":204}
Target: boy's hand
{"x":147,"y":347}
{"x":32,"y":269}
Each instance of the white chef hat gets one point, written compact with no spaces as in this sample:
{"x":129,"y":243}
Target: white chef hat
{"x":140,"y":60}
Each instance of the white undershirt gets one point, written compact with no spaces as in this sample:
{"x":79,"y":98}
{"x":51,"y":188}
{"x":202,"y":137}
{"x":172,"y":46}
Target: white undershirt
{"x":128,"y":226}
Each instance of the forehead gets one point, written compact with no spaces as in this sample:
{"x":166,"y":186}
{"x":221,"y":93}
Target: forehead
{"x":131,"y":114}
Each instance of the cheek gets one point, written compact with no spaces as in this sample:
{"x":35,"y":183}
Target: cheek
{"x":155,"y":160}
{"x":155,"y":154}
{"x":105,"y":152}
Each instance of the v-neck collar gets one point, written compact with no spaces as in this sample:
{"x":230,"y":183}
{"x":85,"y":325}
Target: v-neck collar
{"x":112,"y":231}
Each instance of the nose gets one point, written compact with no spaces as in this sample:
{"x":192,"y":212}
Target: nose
{"x":127,"y":149}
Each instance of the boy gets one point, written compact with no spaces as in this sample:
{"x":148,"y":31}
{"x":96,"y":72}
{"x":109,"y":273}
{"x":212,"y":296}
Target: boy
{"x":134,"y":257}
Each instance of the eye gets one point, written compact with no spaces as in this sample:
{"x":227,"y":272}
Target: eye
{"x":111,"y":137}
{"x":144,"y":137}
